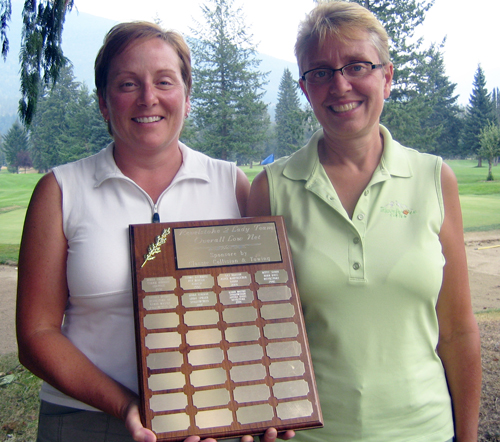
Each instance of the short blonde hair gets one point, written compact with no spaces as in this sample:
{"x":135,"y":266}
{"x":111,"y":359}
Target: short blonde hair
{"x":121,"y":36}
{"x":344,"y":21}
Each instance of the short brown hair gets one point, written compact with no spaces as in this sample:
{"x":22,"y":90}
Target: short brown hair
{"x":344,"y":21}
{"x":123,"y":34}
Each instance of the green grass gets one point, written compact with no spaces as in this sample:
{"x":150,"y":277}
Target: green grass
{"x":19,"y":405}
{"x":480,"y":201}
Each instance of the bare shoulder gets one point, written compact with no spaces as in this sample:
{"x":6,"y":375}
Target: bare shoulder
{"x":259,"y":203}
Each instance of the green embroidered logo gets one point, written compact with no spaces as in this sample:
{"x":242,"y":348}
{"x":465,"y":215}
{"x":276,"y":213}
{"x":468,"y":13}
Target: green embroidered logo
{"x":397,"y":210}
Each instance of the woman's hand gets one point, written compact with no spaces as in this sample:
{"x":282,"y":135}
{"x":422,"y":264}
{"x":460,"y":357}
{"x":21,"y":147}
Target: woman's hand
{"x":134,"y":425}
{"x":269,"y":436}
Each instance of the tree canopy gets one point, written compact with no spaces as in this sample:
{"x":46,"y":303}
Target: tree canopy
{"x":228,"y":111}
{"x":41,"y":56}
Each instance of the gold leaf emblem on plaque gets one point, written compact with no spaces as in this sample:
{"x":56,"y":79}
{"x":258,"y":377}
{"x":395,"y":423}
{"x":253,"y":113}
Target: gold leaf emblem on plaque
{"x":155,"y":248}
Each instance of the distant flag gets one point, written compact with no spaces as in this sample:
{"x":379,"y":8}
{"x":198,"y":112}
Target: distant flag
{"x":268,"y":160}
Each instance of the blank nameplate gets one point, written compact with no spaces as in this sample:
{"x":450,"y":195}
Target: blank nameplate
{"x":211,"y":398}
{"x":206,"y":356}
{"x":221,"y":343}
{"x":277,"y":311}
{"x":161,"y":320}
{"x":171,"y":359}
{"x":276,"y":293}
{"x":240,"y":314}
{"x":245,"y":373}
{"x":168,"y":402}
{"x":245,"y":353}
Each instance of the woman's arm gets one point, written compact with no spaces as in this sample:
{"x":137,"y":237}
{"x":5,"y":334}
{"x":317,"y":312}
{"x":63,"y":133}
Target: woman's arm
{"x":242,"y":190}
{"x":459,"y":345}
{"x":259,"y":201}
{"x":41,"y":300}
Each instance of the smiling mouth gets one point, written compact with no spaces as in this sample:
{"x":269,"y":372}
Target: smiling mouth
{"x":147,"y":119}
{"x":345,"y":107}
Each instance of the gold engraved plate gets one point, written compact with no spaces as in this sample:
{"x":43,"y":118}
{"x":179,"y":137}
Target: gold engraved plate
{"x":156,"y":361}
{"x":245,"y":353}
{"x":281,"y":330}
{"x":277,"y":350}
{"x":203,"y":337}
{"x":232,"y":297}
{"x":234,"y":279}
{"x":168,"y":402}
{"x":214,"y":418}
{"x":240,"y":314}
{"x":199,"y":299}
{"x":227,"y":245}
{"x":294,"y":409}
{"x":242,"y":334}
{"x":283,"y":390}
{"x":159,"y":284}
{"x":163,"y":340}
{"x":201,"y":317}
{"x":252,"y":393}
{"x":254,"y":413}
{"x":277,"y":311}
{"x":160,"y":302}
{"x":161,"y":320}
{"x":245,"y":373}
{"x":166,"y":381}
{"x":170,"y":422}
{"x":279,"y":276}
{"x":287,"y":369}
{"x":206,"y":356}
{"x":209,"y":376}
{"x":195,"y":282}
{"x":211,"y":398}
{"x":277,"y":293}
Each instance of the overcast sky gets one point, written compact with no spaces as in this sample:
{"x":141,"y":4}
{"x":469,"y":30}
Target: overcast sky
{"x":471,"y":29}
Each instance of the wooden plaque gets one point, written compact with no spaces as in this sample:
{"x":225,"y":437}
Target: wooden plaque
{"x":221,"y":344}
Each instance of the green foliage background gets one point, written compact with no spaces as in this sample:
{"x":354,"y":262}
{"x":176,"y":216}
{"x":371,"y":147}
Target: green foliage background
{"x":480,"y":202}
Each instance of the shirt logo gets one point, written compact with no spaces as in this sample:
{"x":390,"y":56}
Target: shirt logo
{"x":397,"y":210}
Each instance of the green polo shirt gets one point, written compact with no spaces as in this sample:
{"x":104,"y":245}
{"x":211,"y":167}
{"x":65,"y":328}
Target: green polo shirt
{"x":369,"y":287}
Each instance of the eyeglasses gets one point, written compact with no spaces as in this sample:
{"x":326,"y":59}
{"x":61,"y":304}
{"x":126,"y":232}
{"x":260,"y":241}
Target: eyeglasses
{"x":351,"y":71}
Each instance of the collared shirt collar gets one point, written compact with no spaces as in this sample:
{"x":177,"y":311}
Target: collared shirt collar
{"x":305,"y":162}
{"x":191,"y":168}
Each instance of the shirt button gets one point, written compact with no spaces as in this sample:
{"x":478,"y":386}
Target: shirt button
{"x":361,"y":217}
{"x":356,"y":266}
{"x":356,"y":240}
{"x":367,"y":192}
{"x":330,"y":197}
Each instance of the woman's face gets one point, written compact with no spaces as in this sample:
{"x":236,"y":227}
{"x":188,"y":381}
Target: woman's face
{"x":145,"y":101}
{"x":347,"y":109}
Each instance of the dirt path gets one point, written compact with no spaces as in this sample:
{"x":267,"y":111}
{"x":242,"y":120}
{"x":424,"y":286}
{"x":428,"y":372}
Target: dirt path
{"x":482,"y":255}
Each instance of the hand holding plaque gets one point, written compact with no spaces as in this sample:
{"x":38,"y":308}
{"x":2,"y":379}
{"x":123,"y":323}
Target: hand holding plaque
{"x":221,"y":342}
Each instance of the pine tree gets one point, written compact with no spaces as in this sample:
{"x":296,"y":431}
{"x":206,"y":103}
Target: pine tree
{"x":67,"y":125}
{"x":480,"y":113}
{"x":228,"y":110}
{"x":41,"y":55}
{"x":289,"y":117}
{"x":412,"y":109}
{"x":15,"y":148}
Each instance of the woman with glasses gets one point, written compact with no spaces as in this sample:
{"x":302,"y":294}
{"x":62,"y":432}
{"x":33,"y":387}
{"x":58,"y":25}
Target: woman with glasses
{"x":377,"y":241}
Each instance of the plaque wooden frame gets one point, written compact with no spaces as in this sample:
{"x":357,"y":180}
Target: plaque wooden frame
{"x":260,"y":364}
